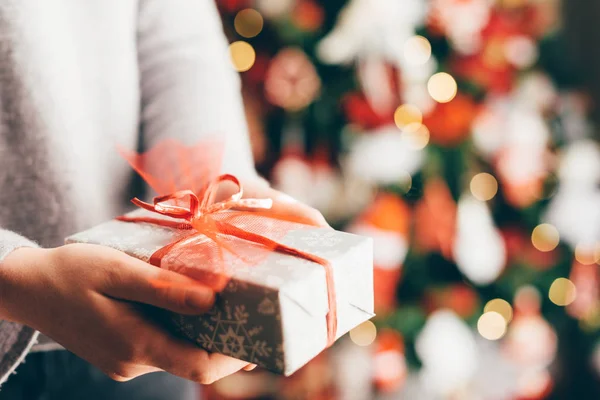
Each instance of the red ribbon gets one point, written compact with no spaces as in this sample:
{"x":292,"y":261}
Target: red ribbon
{"x":197,"y":215}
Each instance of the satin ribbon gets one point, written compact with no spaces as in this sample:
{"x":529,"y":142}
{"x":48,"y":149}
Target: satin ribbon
{"x":196,"y":213}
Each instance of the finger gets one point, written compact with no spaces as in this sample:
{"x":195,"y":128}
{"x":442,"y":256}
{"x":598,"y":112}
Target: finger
{"x":286,"y":205}
{"x":135,"y":280}
{"x":250,"y":367}
{"x":185,"y":359}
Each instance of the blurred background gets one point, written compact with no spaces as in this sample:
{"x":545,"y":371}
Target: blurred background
{"x":460,"y":135}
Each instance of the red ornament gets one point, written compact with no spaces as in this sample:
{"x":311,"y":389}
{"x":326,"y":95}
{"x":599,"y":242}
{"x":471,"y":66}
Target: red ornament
{"x":390,"y":370}
{"x":308,"y":15}
{"x":232,"y":6}
{"x":460,"y":298}
{"x":358,"y":111}
{"x":520,"y":249}
{"x":390,"y":215}
{"x":435,"y":219}
{"x":450,"y":123}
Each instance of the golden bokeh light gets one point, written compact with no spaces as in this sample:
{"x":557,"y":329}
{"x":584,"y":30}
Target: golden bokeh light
{"x":500,"y":306}
{"x":442,"y":87}
{"x":408,"y":117}
{"x":545,"y":237}
{"x":417,"y":50}
{"x":248,"y":23}
{"x":491,"y":325}
{"x":242,"y":55}
{"x":364,"y":334}
{"x":484,"y":186}
{"x":417,"y":135}
{"x":562,"y":292}
{"x":587,"y":254}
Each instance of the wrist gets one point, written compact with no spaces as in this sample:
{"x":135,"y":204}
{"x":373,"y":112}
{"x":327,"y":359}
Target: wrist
{"x":14,"y":276}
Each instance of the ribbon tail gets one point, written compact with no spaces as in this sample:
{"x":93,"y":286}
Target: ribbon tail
{"x":230,"y":229}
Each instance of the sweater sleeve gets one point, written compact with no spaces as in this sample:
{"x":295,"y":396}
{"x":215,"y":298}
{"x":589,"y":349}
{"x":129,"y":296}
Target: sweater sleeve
{"x":15,"y":340}
{"x":188,"y":85}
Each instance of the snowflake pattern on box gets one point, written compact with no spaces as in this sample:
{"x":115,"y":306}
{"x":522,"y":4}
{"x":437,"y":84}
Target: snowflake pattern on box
{"x":247,"y":328}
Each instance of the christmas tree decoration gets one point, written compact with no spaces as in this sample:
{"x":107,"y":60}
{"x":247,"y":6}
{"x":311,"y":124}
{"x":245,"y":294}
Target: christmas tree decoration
{"x":449,"y":123}
{"x":479,"y":248}
{"x":448,"y":352}
{"x":390,"y":369}
{"x":574,"y":209}
{"x":308,"y":15}
{"x":387,"y":223}
{"x":396,"y":158}
{"x":453,"y":133}
{"x":291,"y":81}
{"x":459,"y":298}
{"x":275,"y":9}
{"x":586,"y":281}
{"x":435,"y":219}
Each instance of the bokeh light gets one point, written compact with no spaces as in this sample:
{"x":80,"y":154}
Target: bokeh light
{"x":500,"y":306}
{"x":491,"y":325}
{"x":416,"y":135}
{"x":408,"y":117}
{"x":484,"y":186}
{"x":364,"y":334}
{"x":545,"y":237}
{"x":562,"y":292}
{"x":248,"y":23}
{"x":442,"y":87}
{"x":587,"y":254}
{"x":242,"y":55}
{"x":417,"y":50}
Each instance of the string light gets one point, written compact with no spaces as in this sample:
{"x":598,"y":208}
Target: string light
{"x":491,"y":325}
{"x":586,"y":254}
{"x":416,"y":135}
{"x":545,"y":237}
{"x":500,"y":306}
{"x":484,"y":186}
{"x":562,"y":292}
{"x":242,"y":55}
{"x":408,"y":117}
{"x":442,"y":87}
{"x":248,"y":23}
{"x":417,"y":50}
{"x":364,"y":334}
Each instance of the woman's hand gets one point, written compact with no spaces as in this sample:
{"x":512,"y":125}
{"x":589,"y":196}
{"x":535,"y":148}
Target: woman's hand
{"x":84,"y":297}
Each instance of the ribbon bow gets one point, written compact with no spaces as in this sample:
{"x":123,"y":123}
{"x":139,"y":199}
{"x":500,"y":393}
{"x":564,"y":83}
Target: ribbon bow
{"x":200,"y":214}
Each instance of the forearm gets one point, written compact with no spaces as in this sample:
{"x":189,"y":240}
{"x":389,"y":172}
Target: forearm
{"x":15,"y":339}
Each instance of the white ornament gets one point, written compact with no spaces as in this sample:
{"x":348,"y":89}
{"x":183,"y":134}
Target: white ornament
{"x":575,"y":209}
{"x":479,"y":248}
{"x":384,"y":156}
{"x":389,"y":248}
{"x":448,"y":351}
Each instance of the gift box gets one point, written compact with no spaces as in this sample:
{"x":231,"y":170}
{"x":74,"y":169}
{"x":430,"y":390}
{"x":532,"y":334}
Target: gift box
{"x":270,"y":310}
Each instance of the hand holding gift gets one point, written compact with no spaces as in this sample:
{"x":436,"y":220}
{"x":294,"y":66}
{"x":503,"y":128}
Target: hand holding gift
{"x":287,"y":289}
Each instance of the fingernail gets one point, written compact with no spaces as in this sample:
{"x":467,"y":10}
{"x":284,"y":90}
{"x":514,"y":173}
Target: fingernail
{"x":249,"y":367}
{"x":286,"y":198}
{"x":201,"y":300}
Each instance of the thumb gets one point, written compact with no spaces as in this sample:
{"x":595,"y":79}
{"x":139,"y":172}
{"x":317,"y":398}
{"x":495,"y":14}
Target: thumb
{"x":137,"y":281}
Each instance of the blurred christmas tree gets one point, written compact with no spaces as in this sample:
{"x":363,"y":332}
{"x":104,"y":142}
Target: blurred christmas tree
{"x":452,"y":132}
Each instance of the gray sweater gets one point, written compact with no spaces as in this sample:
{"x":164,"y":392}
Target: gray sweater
{"x":76,"y":79}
